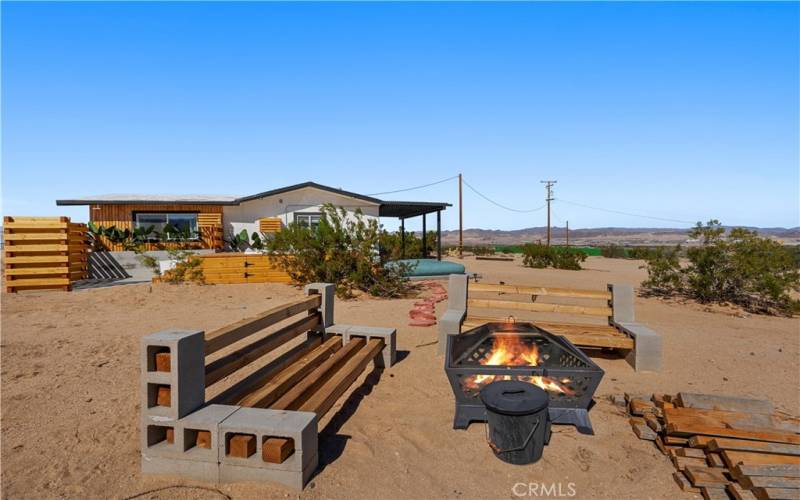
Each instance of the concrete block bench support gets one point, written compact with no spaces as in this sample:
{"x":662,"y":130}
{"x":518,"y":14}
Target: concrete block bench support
{"x":646,"y":354}
{"x":183,"y":434}
{"x":452,"y":319}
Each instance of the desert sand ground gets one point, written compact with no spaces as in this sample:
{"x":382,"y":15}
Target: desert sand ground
{"x":70,"y":395}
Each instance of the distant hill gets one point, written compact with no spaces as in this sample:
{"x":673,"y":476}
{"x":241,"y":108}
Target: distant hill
{"x":600,"y":236}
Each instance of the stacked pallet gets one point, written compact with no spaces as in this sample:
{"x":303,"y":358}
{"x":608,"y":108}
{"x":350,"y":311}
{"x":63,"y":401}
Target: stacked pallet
{"x":44,"y":253}
{"x":722,"y":447}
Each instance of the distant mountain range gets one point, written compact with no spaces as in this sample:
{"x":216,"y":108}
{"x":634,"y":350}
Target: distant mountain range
{"x":601,"y":236}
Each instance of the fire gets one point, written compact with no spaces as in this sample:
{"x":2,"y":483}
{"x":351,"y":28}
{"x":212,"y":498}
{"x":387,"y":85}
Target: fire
{"x":509,"y":350}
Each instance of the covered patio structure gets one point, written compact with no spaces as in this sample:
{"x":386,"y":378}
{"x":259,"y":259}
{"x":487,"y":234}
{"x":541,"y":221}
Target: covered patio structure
{"x":407,"y":209}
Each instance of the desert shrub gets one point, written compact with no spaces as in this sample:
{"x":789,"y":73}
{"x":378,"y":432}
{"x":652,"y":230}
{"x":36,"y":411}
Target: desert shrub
{"x":644,"y":253}
{"x":613,"y":252}
{"x":663,"y":271}
{"x":567,"y":258}
{"x":187,"y":267}
{"x":391,"y":245}
{"x":540,"y":256}
{"x":480,"y":249}
{"x":741,"y":268}
{"x":342,"y":250}
{"x":536,"y":255}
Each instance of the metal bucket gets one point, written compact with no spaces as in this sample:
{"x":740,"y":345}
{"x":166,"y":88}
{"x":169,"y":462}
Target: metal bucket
{"x":517,"y":423}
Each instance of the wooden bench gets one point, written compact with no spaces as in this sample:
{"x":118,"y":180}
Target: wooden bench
{"x":619,"y":330}
{"x":218,"y":391}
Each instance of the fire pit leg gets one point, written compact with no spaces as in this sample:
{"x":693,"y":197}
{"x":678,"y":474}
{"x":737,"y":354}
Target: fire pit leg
{"x":574,"y":416}
{"x":466,"y":414}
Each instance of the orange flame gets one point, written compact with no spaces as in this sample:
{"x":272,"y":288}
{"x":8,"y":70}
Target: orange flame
{"x":509,"y":350}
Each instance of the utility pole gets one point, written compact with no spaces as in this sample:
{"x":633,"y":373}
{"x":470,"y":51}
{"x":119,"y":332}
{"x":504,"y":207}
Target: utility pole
{"x":567,"y":233}
{"x":460,"y":222}
{"x":549,"y":187}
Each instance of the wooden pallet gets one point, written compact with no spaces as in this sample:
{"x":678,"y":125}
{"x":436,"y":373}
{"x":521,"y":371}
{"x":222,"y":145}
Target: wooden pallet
{"x":44,"y":253}
{"x":722,"y":447}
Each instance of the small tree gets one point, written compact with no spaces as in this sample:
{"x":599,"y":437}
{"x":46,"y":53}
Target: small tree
{"x":342,"y":249}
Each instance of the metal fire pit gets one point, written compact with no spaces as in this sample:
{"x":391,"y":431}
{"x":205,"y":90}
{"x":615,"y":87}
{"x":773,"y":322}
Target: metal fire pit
{"x":569,"y":376}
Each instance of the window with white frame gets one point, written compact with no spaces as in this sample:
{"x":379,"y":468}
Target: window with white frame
{"x":310,"y":220}
{"x":185,"y":223}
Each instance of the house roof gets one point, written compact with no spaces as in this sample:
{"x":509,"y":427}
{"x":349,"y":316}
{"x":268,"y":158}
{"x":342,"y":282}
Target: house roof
{"x":150,"y":199}
{"x":406,"y":209}
{"x":400,"y":209}
{"x":314,"y":185}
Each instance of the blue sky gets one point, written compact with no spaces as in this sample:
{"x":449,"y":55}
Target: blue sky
{"x":681,"y":111}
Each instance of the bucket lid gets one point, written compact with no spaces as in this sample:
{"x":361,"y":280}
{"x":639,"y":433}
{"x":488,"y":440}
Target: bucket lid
{"x":513,"y":397}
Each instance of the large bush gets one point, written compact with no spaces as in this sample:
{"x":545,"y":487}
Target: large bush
{"x":741,"y":268}
{"x":341,"y":250}
{"x":541,"y":256}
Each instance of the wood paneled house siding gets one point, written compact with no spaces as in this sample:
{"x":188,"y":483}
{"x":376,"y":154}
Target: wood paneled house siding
{"x":122,"y":216}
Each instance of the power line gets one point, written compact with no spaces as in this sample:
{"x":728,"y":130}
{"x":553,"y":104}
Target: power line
{"x":500,"y":205}
{"x":624,"y":213}
{"x":415,"y":187}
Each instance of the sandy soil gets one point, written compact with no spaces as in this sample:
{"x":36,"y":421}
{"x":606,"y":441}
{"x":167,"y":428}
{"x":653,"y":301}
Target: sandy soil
{"x":70,"y":396}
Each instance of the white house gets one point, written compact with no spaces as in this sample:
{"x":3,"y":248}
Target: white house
{"x":215,"y":218}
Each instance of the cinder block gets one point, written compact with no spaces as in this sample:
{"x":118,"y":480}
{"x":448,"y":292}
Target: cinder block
{"x":449,"y":324}
{"x":185,"y":431}
{"x":264,"y":423}
{"x":327,"y":291}
{"x":451,"y":321}
{"x":389,"y":336}
{"x":646,"y":353}
{"x":457,"y":290}
{"x":201,"y":471}
{"x":229,"y":473}
{"x":622,"y":303}
{"x":185,"y":380}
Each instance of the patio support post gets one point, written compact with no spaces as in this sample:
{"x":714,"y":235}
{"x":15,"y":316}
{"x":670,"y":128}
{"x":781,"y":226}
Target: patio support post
{"x":438,"y":235}
{"x":424,"y":234}
{"x":402,"y":238}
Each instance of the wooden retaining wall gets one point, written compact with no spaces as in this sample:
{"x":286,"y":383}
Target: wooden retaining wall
{"x":224,"y":268}
{"x":44,"y":253}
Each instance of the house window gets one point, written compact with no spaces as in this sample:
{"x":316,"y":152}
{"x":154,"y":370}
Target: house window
{"x":307,"y":219}
{"x":183,"y":222}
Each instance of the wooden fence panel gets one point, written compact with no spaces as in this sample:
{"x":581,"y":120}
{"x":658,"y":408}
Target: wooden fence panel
{"x":227,"y":268}
{"x":44,"y":253}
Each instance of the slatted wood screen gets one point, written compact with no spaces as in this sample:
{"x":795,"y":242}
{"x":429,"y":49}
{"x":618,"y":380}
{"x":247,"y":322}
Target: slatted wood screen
{"x":269,"y":224}
{"x":241,"y":268}
{"x":122,"y":215}
{"x":44,"y":253}
{"x":210,"y":226}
